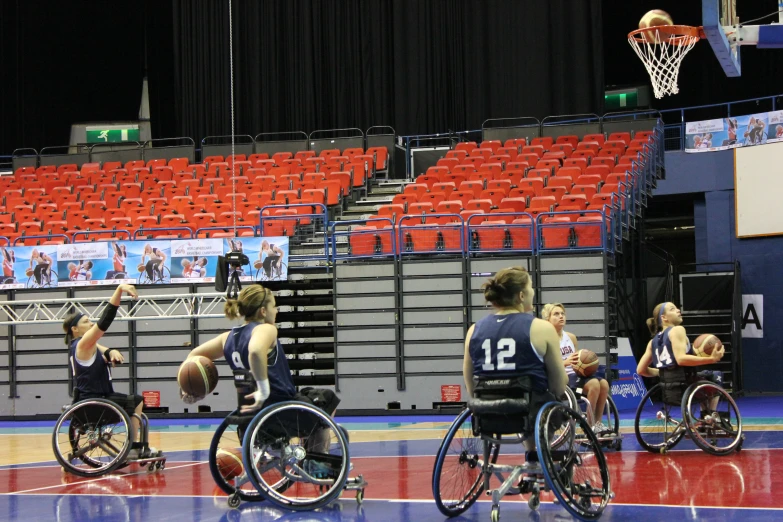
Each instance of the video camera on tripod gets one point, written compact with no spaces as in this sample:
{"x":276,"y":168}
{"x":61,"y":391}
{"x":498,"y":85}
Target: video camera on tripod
{"x":227,"y":275}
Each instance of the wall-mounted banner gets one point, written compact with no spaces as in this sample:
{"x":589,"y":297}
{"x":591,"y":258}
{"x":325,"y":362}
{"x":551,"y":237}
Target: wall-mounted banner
{"x":29,"y":267}
{"x":629,"y":388}
{"x":752,"y":322}
{"x":733,"y":132}
{"x":139,"y":262}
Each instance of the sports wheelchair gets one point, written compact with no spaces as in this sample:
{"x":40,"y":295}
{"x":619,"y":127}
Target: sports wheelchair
{"x":708,"y":416}
{"x":92,"y":438}
{"x":575,"y":472}
{"x":611,"y":438}
{"x":292,"y":454}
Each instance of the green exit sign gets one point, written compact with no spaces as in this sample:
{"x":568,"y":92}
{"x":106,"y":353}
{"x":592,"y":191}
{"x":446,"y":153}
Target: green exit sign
{"x":621,"y":100}
{"x":112,"y":134}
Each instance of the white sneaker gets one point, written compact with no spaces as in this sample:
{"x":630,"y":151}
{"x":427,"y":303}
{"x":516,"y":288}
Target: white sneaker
{"x":133,"y":454}
{"x":599,"y":427}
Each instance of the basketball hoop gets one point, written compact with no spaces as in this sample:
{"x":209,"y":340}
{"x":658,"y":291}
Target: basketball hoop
{"x":661,"y":49}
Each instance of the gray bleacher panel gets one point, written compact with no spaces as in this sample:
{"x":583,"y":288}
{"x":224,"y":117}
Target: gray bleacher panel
{"x":579,"y":283}
{"x":24,"y":158}
{"x":40,"y":398}
{"x":503,"y":129}
{"x":271,"y":142}
{"x":336,"y":139}
{"x":366,"y":332}
{"x":577,"y":124}
{"x":157,"y":149}
{"x":55,"y":156}
{"x":122,"y":152}
{"x":224,"y":149}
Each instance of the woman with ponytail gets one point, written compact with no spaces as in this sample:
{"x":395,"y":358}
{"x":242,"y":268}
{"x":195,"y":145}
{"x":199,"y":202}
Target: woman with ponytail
{"x":670,"y":352}
{"x":512,"y":342}
{"x":91,"y":362}
{"x":254,"y":346}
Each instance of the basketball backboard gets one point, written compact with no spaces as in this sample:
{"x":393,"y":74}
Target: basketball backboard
{"x":726,"y":34}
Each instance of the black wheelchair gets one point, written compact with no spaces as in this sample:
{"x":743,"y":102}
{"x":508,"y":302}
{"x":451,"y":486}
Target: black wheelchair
{"x":501,"y":414}
{"x":707,"y":415}
{"x":93,"y":437}
{"x":292,"y":454}
{"x":611,"y":438}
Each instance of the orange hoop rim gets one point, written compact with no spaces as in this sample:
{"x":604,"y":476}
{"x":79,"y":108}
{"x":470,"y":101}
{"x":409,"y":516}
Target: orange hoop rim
{"x":677,"y":34}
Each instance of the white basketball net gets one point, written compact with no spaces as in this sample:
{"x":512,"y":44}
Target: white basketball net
{"x":661,"y":57}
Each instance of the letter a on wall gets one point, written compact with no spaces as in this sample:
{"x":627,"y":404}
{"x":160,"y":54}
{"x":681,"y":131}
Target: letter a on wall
{"x":753,"y":316}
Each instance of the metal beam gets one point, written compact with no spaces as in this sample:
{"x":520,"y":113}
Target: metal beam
{"x":146,"y":307}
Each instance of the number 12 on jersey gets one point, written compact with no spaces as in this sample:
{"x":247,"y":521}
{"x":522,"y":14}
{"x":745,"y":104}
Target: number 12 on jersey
{"x":506,"y":349}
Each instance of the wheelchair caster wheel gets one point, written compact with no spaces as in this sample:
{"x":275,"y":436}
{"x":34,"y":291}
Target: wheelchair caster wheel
{"x":494,"y":516}
{"x":533,"y":502}
{"x":151,"y":467}
{"x":233,"y":501}
{"x":360,"y":497}
{"x":618,"y":445}
{"x":664,"y":451}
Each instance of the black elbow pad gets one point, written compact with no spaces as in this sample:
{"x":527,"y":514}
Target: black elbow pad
{"x":108,"y":316}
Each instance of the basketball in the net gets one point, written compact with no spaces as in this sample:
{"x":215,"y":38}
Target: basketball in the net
{"x":197,"y":376}
{"x":654,"y":18}
{"x":229,"y":462}
{"x":587,"y":364}
{"x":705,"y":344}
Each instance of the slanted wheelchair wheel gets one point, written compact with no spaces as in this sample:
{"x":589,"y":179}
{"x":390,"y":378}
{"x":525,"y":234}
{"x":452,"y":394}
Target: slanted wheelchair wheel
{"x":564,"y":433}
{"x":458,"y":475}
{"x":577,"y":474}
{"x":296,"y":442}
{"x":657,"y":425}
{"x":712,"y":418}
{"x":612,"y":416}
{"x":228,"y":439}
{"x":92,"y":438}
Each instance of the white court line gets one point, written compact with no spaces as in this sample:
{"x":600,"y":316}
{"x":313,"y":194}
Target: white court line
{"x":99,"y":479}
{"x":419,"y":501}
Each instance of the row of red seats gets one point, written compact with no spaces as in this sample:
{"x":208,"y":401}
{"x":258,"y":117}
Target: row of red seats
{"x":378,"y":156}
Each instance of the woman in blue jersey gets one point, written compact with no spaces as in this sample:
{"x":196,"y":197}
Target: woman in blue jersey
{"x":254,"y":346}
{"x":512,"y":342}
{"x":91,"y":362}
{"x":670,"y":353}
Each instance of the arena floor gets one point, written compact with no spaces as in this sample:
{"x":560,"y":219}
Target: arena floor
{"x":396,"y":456}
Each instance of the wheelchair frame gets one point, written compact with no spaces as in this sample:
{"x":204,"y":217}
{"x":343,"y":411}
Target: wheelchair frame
{"x":545,"y":468}
{"x":703,"y":430}
{"x":258,"y":455}
{"x":612,"y":438}
{"x":98,"y":436}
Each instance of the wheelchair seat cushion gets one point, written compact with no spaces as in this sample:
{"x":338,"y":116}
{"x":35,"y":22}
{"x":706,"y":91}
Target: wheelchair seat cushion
{"x":499,"y":406}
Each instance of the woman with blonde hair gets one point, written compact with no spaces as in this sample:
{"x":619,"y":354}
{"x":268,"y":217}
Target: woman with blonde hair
{"x":596,"y":389}
{"x":155,"y":263}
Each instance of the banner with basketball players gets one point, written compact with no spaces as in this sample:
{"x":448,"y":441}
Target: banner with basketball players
{"x":29,"y":267}
{"x":733,"y":132}
{"x":141,"y":262}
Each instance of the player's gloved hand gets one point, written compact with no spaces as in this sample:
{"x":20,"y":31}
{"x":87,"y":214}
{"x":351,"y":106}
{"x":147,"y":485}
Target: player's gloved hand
{"x":187,"y":398}
{"x":259,"y":396}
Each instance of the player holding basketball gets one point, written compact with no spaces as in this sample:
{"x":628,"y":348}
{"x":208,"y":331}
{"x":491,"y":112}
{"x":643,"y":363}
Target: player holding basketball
{"x":595,"y":388}
{"x":671,"y":354}
{"x":91,"y":362}
{"x":254,"y":346}
{"x":512,"y":342}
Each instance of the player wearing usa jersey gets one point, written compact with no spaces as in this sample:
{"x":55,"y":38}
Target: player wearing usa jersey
{"x":512,"y":342}
{"x":596,"y":388}
{"x":670,"y":353}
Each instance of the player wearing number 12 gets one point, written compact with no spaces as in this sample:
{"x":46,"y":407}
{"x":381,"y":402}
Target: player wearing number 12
{"x":513,"y":343}
{"x":671,"y":355}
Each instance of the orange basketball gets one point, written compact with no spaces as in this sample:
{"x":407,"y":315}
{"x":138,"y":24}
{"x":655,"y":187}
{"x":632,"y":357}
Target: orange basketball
{"x":197,"y":376}
{"x":587,"y":364}
{"x":29,"y":272}
{"x":229,"y":462}
{"x":705,"y":344}
{"x":654,"y":18}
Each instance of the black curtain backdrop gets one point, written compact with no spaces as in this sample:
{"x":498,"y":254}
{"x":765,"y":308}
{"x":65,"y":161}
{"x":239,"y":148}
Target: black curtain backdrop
{"x":67,"y":62}
{"x":702,"y":80}
{"x":420,"y":66}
